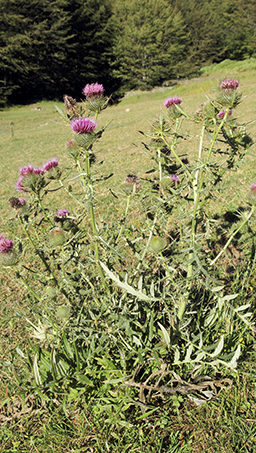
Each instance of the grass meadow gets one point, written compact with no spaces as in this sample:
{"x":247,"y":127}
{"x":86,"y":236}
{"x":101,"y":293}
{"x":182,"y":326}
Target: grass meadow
{"x":35,"y":133}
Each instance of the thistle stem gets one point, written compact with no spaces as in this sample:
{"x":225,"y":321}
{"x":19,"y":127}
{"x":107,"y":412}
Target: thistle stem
{"x":124,"y":220}
{"x":198,"y":186}
{"x":93,"y":222}
{"x":148,"y":242}
{"x":27,"y":285}
{"x":38,"y":252}
{"x":45,"y":213}
{"x":70,"y":193}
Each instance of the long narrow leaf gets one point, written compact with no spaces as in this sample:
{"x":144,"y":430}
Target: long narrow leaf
{"x":233,"y":363}
{"x":125,"y":286}
{"x":65,"y":117}
{"x":165,"y":334}
{"x":36,"y":371}
{"x":219,"y":347}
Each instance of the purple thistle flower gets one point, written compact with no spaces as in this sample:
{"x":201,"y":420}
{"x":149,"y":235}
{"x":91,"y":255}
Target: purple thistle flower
{"x":27,"y":170}
{"x":229,"y":84}
{"x":38,"y":171}
{"x":62,"y":212}
{"x":93,"y":89}
{"x":172,"y":101}
{"x":22,"y":201}
{"x":50,"y":164}
{"x":19,"y":185}
{"x":26,"y":174}
{"x":222,"y":113}
{"x":253,"y":187}
{"x":83,"y":125}
{"x":6,"y":245}
{"x":175,"y":178}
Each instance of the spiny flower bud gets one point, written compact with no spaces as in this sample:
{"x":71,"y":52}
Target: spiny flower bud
{"x":30,"y":178}
{"x":70,"y":104}
{"x":57,"y":237}
{"x":17,"y":203}
{"x":157,"y":244}
{"x":170,"y":180}
{"x":8,"y":256}
{"x":6,"y":245}
{"x":221,"y":114}
{"x":20,"y":205}
{"x":63,"y":312}
{"x":130,"y":182}
{"x":62,"y":213}
{"x":175,"y":178}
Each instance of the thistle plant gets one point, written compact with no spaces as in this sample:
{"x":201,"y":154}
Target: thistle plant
{"x":99,"y":325}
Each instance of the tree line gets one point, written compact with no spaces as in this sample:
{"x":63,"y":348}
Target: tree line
{"x":52,"y":47}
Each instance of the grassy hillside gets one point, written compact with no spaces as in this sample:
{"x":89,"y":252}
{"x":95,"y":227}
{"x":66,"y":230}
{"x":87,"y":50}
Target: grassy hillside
{"x":34,"y":134}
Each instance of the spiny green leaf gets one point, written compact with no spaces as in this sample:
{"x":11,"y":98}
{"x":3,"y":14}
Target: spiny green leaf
{"x":125,"y":286}
{"x":165,"y":334}
{"x":219,"y":347}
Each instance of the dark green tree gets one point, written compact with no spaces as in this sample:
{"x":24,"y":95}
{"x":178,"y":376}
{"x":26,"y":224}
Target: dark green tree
{"x":51,"y":47}
{"x":91,"y":45}
{"x":33,"y":44}
{"x":218,"y":29}
{"x":237,"y":29}
{"x":150,"y":42}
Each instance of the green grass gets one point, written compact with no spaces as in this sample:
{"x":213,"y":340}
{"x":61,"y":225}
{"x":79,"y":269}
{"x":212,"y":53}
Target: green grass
{"x":225,"y":424}
{"x":229,"y":67}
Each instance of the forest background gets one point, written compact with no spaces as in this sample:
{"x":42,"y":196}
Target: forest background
{"x":48,"y":48}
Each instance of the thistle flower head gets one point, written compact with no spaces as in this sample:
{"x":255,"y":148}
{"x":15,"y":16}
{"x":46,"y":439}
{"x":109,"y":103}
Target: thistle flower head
{"x":93,"y":89}
{"x":132,"y":179}
{"x":229,"y":84}
{"x":130,"y":182}
{"x":52,"y":163}
{"x":175,"y":178}
{"x":27,"y":170}
{"x":69,"y":102}
{"x":222,"y":113}
{"x":20,"y":186}
{"x":17,"y":203}
{"x":157,"y":244}
{"x":6,"y":245}
{"x":61,"y":214}
{"x":253,"y":188}
{"x":38,"y":171}
{"x":57,"y":237}
{"x":83,"y":125}
{"x":172,"y":101}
